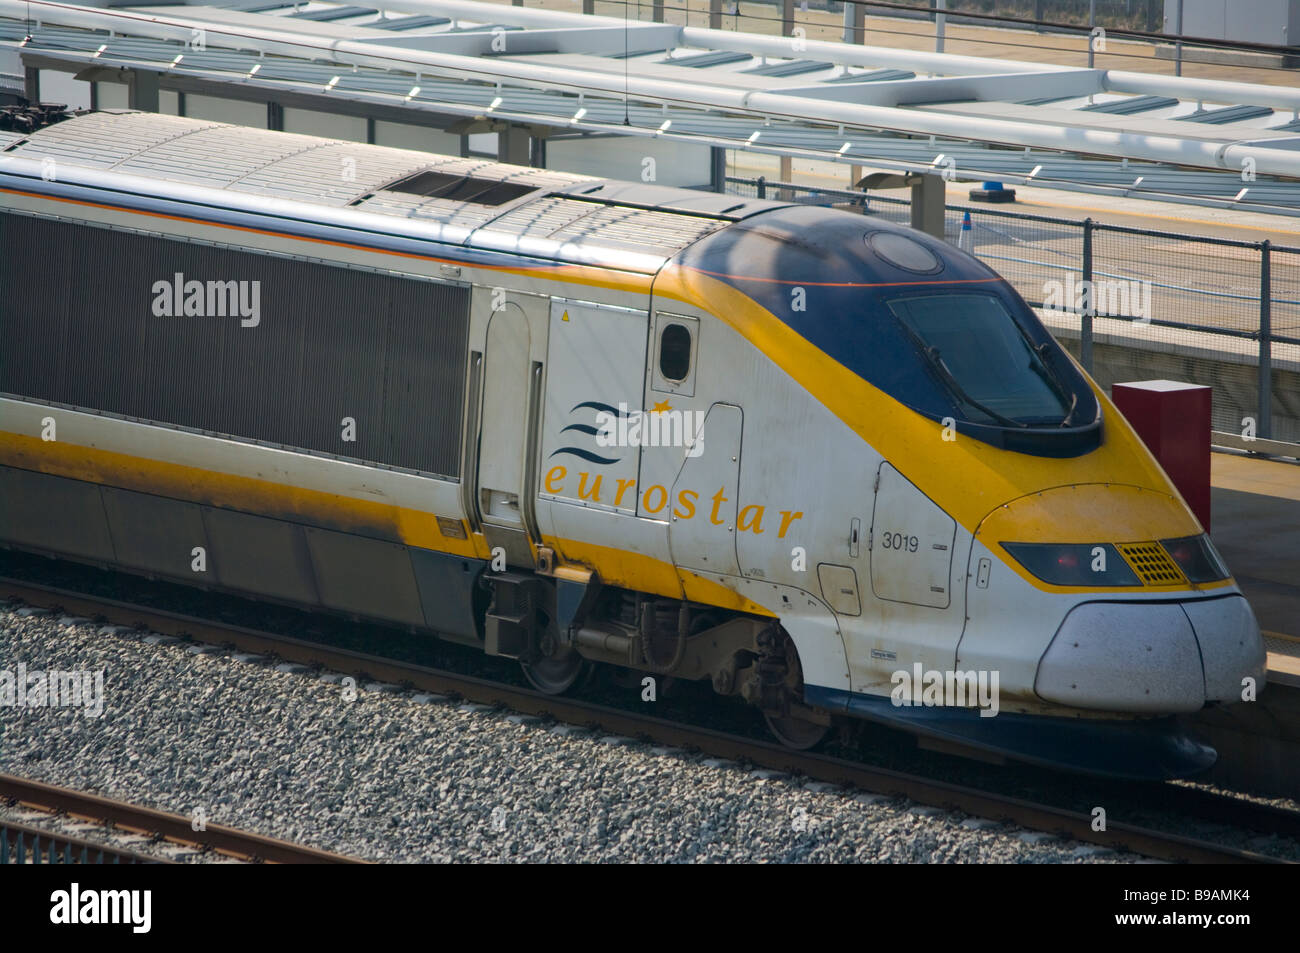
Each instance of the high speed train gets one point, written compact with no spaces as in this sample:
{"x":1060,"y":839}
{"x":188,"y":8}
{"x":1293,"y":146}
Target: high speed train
{"x":833,"y":466}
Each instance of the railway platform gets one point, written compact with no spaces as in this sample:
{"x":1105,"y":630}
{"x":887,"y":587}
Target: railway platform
{"x":1256,"y":526}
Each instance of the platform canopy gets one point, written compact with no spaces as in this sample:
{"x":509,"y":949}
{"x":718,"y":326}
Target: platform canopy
{"x":471,"y":66}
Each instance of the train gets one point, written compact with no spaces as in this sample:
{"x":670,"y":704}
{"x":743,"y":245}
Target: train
{"x":832,"y":466}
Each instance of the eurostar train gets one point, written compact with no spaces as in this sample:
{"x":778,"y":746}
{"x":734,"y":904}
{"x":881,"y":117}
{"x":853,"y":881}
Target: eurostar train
{"x":833,"y":466}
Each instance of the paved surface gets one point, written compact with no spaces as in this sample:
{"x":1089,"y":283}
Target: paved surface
{"x":1255,"y":520}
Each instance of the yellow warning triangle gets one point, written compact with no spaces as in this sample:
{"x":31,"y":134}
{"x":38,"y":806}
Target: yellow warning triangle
{"x":566,"y":316}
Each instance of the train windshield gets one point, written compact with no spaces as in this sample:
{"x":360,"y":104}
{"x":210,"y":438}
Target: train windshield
{"x":985,"y":359}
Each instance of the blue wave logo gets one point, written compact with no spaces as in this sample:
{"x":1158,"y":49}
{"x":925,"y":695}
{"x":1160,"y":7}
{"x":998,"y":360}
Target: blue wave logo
{"x":588,"y":429}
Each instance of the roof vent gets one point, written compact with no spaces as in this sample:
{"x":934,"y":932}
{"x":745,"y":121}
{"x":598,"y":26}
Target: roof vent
{"x":461,"y":188}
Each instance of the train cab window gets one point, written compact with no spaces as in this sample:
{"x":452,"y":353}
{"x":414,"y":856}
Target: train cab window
{"x":674,"y":352}
{"x":985,"y":360}
{"x":677,"y":342}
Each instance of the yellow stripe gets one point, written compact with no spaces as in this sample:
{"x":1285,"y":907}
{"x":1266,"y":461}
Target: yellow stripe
{"x":343,"y":513}
{"x":630,"y":570}
{"x":228,"y":491}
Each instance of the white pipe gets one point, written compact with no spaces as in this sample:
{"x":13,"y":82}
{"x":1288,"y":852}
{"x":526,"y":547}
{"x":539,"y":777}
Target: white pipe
{"x":1209,"y":153}
{"x":1211,"y":90}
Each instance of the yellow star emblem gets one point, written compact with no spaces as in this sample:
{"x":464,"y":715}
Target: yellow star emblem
{"x":660,"y":408}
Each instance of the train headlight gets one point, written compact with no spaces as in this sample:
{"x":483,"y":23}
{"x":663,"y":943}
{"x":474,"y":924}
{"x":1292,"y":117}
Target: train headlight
{"x":1197,"y":558}
{"x":1074,"y":564}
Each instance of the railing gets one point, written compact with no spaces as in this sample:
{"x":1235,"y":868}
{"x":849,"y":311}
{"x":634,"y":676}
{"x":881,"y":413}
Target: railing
{"x":1135,"y":303}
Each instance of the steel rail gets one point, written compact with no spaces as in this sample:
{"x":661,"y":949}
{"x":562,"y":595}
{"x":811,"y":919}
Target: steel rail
{"x":1074,"y":824}
{"x":171,"y":827}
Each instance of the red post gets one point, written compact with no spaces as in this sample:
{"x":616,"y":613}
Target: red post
{"x":1173,"y":419}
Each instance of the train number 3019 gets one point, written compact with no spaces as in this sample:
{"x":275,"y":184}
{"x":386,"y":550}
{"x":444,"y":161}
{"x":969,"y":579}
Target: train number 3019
{"x":900,"y":541}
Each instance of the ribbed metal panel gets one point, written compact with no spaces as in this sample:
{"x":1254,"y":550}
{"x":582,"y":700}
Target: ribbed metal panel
{"x":330,"y":343}
{"x":564,"y":219}
{"x":332,"y":174}
{"x":217,"y":156}
{"x":419,"y":208}
{"x":102,"y":140}
{"x":638,"y":229}
{"x":542,"y":217}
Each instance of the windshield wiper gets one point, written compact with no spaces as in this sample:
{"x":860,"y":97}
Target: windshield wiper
{"x":1053,"y":380}
{"x":936,"y":360}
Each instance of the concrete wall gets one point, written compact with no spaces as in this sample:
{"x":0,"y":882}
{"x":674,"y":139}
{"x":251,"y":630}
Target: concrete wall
{"x":1249,"y":21}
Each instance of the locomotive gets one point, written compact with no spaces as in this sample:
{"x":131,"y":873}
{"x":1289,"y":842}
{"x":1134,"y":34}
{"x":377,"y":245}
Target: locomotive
{"x":831,"y":465}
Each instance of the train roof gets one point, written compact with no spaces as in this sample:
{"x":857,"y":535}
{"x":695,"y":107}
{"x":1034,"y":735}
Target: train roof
{"x":471,"y":202}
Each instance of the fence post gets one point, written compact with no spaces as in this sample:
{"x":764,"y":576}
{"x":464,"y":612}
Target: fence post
{"x":1265,"y":427}
{"x":1092,"y":23}
{"x":1085,"y":319}
{"x":762,"y":186}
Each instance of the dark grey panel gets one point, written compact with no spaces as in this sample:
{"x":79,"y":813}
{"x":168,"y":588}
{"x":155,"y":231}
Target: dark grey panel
{"x":157,"y":535}
{"x":448,"y":591}
{"x":365,"y":576}
{"x":53,"y":514}
{"x":328,"y":343}
{"x":344,"y":352}
{"x":260,"y":555}
{"x":104,"y":356}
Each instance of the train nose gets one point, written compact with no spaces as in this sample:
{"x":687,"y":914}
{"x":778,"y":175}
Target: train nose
{"x":1152,"y":657}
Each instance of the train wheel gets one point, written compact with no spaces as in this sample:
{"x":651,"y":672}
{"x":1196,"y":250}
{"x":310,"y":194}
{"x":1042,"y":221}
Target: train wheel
{"x":554,"y":675}
{"x":795,"y":732}
{"x":782,"y":677}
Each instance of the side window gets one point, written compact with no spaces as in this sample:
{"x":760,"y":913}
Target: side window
{"x":676,"y":352}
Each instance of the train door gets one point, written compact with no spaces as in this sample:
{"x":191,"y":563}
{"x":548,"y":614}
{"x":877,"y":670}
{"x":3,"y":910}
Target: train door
{"x":913,"y":612}
{"x":587,"y":468}
{"x":511,"y":391}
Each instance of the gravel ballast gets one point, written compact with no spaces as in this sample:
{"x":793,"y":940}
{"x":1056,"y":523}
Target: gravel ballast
{"x":397,"y":776}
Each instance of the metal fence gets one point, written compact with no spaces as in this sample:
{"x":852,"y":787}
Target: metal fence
{"x":1155,"y":304}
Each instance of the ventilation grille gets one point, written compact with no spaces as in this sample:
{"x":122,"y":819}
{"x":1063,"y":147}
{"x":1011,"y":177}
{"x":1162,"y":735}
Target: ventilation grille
{"x":1152,"y":564}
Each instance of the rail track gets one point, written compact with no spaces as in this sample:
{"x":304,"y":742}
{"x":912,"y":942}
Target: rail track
{"x":49,"y":846}
{"x":1118,"y":835}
